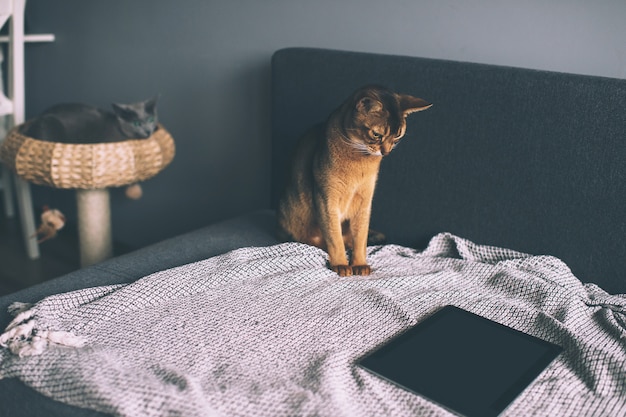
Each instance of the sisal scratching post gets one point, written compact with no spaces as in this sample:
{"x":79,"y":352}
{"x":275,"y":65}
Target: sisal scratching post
{"x":94,"y":226}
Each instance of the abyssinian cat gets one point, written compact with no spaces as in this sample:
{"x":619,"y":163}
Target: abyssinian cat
{"x":328,"y":197}
{"x":82,"y":123}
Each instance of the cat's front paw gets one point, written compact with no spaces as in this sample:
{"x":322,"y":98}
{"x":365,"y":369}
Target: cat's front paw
{"x":342,"y":270}
{"x":362,"y":270}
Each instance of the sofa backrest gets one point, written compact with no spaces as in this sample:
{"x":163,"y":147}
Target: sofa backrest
{"x":529,"y":160}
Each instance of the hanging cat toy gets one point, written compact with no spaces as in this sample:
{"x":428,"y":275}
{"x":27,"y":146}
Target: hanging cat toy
{"x":52,"y":220}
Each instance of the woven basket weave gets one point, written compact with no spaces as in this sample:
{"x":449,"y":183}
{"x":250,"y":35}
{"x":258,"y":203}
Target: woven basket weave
{"x":87,"y":166}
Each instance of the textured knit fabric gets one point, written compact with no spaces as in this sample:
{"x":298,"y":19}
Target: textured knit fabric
{"x":272,"y":332}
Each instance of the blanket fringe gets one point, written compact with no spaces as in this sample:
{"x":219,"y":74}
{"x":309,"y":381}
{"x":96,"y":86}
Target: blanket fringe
{"x":23,"y":338}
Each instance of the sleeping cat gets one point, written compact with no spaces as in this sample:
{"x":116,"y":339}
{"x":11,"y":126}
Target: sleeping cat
{"x":328,"y":198}
{"x":82,"y":123}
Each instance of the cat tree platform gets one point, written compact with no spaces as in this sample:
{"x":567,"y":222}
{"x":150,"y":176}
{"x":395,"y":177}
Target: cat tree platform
{"x":90,"y":169}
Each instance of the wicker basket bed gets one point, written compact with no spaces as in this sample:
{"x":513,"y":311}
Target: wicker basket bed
{"x":87,"y":166}
{"x":91,"y":169}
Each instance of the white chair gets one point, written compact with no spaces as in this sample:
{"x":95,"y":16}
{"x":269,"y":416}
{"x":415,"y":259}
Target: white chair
{"x":6,"y":108}
{"x":12,"y":11}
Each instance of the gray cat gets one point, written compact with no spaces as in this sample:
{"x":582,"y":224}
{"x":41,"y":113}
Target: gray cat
{"x":82,"y":123}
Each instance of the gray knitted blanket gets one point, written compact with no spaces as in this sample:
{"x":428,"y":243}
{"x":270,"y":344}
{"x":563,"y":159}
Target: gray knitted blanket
{"x":272,"y":332}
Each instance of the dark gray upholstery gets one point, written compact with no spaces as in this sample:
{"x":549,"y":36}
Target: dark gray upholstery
{"x":523,"y":159}
{"x":516,"y":158}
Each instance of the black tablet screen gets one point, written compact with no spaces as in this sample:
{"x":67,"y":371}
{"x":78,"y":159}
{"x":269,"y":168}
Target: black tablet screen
{"x":466,"y":363}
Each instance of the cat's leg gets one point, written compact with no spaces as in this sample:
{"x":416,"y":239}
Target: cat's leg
{"x":296,"y":223}
{"x":314,"y":237}
{"x":330,"y":225}
{"x":336,"y":249}
{"x":359,"y":228}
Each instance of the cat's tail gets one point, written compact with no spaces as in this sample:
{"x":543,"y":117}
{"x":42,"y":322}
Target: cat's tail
{"x":375,"y":238}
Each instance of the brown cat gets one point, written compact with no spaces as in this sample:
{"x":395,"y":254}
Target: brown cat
{"x":328,"y":198}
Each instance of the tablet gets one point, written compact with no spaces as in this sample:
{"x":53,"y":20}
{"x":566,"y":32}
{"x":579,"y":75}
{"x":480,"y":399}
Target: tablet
{"x":466,"y":363}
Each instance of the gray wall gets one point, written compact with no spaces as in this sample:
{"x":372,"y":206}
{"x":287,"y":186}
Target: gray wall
{"x":210,"y":62}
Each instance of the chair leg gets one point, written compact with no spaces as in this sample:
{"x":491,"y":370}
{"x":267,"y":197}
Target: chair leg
{"x":27,"y":217}
{"x":7,"y":190}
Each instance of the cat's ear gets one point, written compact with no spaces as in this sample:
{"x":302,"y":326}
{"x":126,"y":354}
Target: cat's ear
{"x":410,"y":104}
{"x":367,"y":105}
{"x":151,"y":103}
{"x":122,"y":110}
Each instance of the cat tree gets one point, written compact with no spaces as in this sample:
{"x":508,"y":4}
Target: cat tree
{"x":90,"y":169}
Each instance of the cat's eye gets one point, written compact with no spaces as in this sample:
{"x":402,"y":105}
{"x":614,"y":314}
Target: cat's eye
{"x":136,"y":123}
{"x":150,"y":119}
{"x":376,"y":135}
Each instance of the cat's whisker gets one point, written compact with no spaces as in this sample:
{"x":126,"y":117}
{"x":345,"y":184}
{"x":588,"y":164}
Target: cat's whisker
{"x":361,"y":148}
{"x":345,"y":138}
